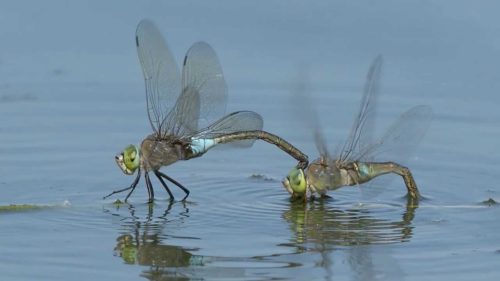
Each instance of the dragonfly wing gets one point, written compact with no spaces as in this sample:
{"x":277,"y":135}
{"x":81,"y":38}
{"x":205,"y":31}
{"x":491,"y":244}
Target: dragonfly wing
{"x":320,"y":142}
{"x":234,"y":122}
{"x":361,"y":135}
{"x":161,"y":74}
{"x":305,"y":112}
{"x":401,"y":139}
{"x":202,"y":73}
{"x":397,"y":145}
{"x":183,"y":119}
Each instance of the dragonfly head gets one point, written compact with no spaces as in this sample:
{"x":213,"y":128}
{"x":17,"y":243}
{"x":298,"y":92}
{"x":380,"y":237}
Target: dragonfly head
{"x":295,"y":182}
{"x":129,"y":159}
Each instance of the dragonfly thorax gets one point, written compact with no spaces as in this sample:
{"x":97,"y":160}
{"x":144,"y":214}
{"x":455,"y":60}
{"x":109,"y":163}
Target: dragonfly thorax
{"x":324,"y":175}
{"x":156,"y":152}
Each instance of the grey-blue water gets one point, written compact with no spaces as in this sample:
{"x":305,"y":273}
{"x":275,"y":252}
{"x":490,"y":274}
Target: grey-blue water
{"x":72,"y":96}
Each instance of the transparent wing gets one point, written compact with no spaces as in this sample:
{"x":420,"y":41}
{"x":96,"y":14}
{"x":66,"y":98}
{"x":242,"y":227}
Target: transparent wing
{"x":202,"y":72}
{"x":161,"y":74}
{"x":401,"y":139}
{"x":231,"y":123}
{"x":183,"y":118}
{"x":319,"y":140}
{"x":303,"y":107}
{"x":397,"y":145}
{"x":361,"y":135}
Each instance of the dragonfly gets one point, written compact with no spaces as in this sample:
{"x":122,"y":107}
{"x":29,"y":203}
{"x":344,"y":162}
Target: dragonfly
{"x":356,"y":164}
{"x":184,"y":111}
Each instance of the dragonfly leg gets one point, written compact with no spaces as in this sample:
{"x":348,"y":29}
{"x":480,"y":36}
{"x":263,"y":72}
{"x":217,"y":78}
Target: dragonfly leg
{"x":165,"y":185}
{"x":176,"y":183}
{"x":321,"y":192}
{"x":149,"y":186}
{"x":132,"y":186}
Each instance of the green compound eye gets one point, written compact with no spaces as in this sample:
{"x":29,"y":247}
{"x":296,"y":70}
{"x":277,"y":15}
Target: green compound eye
{"x":130,"y":157}
{"x":297,"y":180}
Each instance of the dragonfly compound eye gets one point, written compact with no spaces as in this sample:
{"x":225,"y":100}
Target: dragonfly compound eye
{"x":297,"y":180}
{"x":128,"y":160}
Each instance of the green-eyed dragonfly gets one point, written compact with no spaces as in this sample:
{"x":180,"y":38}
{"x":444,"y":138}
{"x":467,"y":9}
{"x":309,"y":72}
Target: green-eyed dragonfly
{"x":355,"y":164}
{"x":184,"y":112}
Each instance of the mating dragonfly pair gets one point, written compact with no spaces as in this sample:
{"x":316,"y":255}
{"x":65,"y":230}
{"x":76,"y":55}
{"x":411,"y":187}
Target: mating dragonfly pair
{"x":184,"y":112}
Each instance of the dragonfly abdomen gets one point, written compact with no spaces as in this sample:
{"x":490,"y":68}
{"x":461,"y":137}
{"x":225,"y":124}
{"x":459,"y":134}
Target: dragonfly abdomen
{"x":200,"y":146}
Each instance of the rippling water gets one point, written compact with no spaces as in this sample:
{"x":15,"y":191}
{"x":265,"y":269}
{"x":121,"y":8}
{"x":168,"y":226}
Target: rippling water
{"x":72,"y":96}
{"x":238,"y":222}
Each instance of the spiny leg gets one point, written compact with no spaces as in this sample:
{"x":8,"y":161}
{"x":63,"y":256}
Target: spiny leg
{"x":149,"y":186}
{"x":176,"y":183}
{"x":132,"y":186}
{"x":164,"y":185}
{"x":130,"y":193}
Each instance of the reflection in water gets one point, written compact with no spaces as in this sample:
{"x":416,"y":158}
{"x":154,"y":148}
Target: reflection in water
{"x":319,"y":227}
{"x":320,"y":232}
{"x":142,"y":241}
{"x":147,"y":250}
{"x":319,"y":222}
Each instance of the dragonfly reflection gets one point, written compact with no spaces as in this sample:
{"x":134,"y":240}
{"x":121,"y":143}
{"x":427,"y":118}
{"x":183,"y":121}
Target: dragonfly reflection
{"x":328,"y":226}
{"x":355,"y":164}
{"x":184,"y":112}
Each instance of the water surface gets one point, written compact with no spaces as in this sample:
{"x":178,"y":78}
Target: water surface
{"x":238,"y":222}
{"x":72,"y":96}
